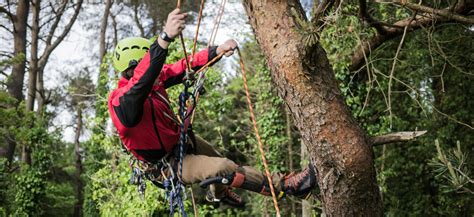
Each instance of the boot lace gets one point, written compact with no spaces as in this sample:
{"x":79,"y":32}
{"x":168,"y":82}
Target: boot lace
{"x":294,"y":180}
{"x":233,"y":196}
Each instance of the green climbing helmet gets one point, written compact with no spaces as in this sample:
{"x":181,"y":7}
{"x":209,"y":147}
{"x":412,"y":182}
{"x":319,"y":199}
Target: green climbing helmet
{"x":127,"y":49}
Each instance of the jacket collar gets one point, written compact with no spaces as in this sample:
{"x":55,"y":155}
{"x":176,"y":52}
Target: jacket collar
{"x":122,"y":82}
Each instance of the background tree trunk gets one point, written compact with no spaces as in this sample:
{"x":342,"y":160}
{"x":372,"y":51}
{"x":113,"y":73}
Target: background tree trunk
{"x":30,"y":98}
{"x":306,"y":82}
{"x":15,"y":82}
{"x":103,"y":30}
{"x":78,"y":165}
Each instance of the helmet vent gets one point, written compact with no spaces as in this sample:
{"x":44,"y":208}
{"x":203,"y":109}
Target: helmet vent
{"x":125,"y":48}
{"x":135,"y":47}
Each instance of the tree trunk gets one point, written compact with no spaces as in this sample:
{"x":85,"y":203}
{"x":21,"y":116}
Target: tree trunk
{"x":15,"y":82}
{"x":305,"y":80}
{"x":78,"y":165}
{"x":40,"y":92}
{"x":11,"y":147}
{"x":30,"y":98}
{"x":103,"y":30}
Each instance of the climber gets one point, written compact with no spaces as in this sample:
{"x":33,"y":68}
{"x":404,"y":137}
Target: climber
{"x":141,"y":112}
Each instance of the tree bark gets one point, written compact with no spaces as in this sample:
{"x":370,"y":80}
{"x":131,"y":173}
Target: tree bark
{"x":305,"y":80}
{"x":78,"y":165}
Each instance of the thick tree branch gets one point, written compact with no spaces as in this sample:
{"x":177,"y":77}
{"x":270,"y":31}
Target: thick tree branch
{"x":447,"y":13}
{"x":391,"y":31}
{"x":50,"y":47}
{"x":137,"y":20}
{"x":396,"y":137}
{"x":8,"y":13}
{"x":114,"y":26}
{"x":365,"y":16}
{"x":58,"y":16}
{"x":103,"y":30}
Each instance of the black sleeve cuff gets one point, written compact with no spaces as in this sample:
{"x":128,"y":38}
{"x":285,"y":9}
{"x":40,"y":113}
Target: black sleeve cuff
{"x":212,"y":53}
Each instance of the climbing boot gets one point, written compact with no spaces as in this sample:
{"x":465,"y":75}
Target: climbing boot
{"x":300,"y":184}
{"x":232,"y":199}
{"x":229,"y":197}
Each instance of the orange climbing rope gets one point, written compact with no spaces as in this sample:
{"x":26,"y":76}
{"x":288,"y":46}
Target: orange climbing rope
{"x":197,"y":29}
{"x":257,"y":134}
{"x":217,"y":22}
{"x":188,"y":64}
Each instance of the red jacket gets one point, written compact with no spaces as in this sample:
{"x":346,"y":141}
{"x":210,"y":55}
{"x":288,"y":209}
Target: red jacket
{"x":132,"y":112}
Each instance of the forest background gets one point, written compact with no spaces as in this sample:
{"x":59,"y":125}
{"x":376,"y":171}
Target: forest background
{"x":59,"y":155}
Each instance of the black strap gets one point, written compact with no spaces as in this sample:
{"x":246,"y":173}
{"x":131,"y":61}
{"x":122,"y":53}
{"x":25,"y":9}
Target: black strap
{"x":154,"y":123}
{"x":192,"y":136}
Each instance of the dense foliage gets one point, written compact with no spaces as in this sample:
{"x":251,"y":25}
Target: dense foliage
{"x":430,"y":90}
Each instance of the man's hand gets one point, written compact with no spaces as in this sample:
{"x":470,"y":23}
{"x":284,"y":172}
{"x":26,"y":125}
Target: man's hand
{"x":175,"y":23}
{"x":227,"y":48}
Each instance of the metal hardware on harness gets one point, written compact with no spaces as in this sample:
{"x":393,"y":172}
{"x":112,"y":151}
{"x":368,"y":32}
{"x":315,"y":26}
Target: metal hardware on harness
{"x":143,"y":170}
{"x":215,"y":180}
{"x":175,"y":190}
{"x":137,"y":178}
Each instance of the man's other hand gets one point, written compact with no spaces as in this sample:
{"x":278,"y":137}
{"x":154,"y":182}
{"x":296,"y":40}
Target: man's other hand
{"x":227,"y":48}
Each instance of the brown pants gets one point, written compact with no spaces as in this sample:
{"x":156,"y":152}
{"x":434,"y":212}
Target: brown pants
{"x":206,"y":162}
